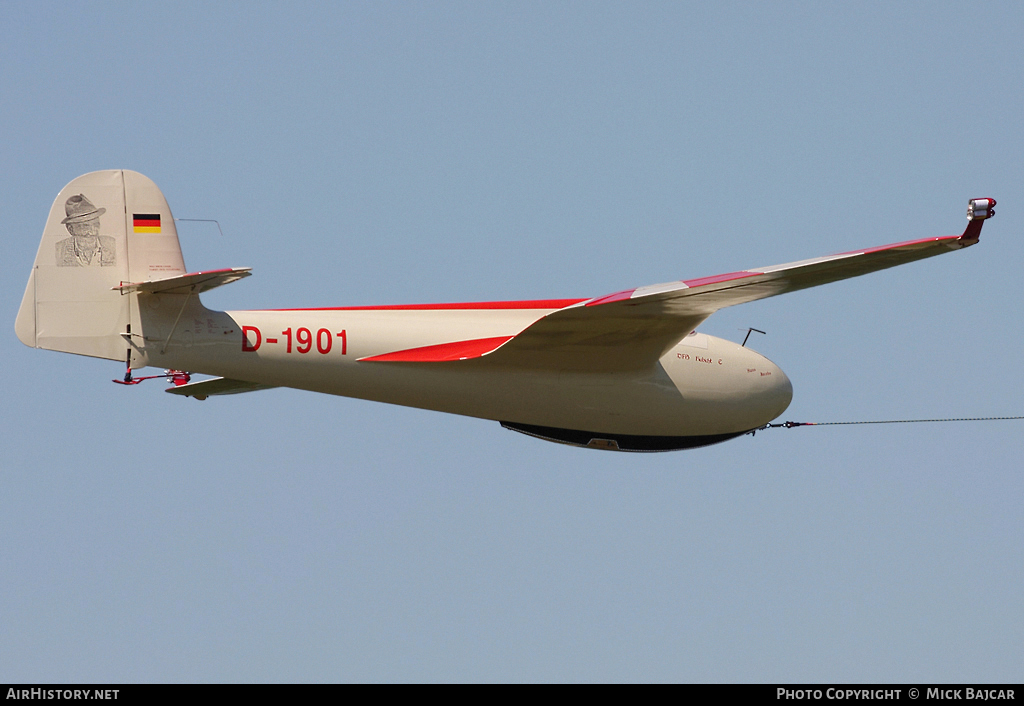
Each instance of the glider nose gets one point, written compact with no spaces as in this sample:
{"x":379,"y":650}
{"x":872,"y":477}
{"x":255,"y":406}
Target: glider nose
{"x":777,"y":393}
{"x":767,"y":389}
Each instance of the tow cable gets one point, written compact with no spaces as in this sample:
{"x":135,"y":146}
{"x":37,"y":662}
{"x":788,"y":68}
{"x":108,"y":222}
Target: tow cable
{"x":790,"y":425}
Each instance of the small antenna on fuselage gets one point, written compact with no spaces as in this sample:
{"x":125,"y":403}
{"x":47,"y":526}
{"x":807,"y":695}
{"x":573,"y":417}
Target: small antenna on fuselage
{"x":750,"y":331}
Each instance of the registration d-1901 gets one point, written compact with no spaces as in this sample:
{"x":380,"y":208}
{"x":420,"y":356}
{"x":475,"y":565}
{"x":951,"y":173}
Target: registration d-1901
{"x":302,"y":340}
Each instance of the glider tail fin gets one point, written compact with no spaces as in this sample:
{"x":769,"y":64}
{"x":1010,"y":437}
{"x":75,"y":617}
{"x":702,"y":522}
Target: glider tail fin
{"x":105,"y":229}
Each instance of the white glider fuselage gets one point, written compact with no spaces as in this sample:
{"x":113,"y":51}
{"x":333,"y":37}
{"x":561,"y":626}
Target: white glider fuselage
{"x":702,"y":387}
{"x":624,"y":371}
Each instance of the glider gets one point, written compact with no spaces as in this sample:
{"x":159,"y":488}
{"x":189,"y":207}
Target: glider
{"x":627,"y":371}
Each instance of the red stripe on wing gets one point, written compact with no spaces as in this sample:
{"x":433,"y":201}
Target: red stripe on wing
{"x":715,"y":279}
{"x":532,"y":304}
{"x":459,"y":350}
{"x":608,"y":299}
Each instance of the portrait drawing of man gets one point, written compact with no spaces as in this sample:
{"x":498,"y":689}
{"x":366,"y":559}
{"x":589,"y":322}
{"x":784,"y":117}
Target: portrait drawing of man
{"x":86,"y":247}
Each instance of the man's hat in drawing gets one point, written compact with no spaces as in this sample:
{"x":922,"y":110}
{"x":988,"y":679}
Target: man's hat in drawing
{"x":80,"y":209}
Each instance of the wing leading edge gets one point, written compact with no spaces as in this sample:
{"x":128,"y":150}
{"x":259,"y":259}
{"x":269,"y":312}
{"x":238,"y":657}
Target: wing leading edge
{"x":635,"y":327}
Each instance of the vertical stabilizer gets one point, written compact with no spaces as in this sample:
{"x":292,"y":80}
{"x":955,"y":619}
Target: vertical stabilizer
{"x":104,"y":228}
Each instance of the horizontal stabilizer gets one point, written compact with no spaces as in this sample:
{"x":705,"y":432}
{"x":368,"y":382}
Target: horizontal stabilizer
{"x":195,"y":282}
{"x":217,"y":386}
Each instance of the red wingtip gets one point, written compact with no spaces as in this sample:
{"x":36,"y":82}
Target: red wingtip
{"x":978,"y":211}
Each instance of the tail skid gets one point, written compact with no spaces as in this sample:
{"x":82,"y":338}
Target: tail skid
{"x":175,"y":377}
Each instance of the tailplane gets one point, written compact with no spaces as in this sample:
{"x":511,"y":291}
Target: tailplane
{"x":105,"y":229}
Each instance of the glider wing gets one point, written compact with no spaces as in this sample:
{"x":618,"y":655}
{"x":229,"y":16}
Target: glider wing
{"x":635,"y":327}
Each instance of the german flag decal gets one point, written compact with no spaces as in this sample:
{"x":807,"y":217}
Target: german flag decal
{"x":146,"y":222}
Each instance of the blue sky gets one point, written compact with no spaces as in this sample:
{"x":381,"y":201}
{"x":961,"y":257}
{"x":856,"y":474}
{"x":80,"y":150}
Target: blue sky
{"x":386,"y":153}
